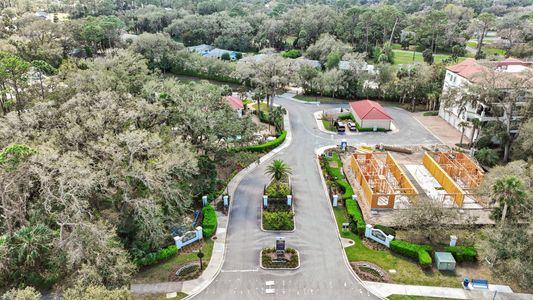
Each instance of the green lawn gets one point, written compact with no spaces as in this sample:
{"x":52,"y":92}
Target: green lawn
{"x":407,"y":271}
{"x":161,"y":296}
{"x":406,"y":57}
{"x":488,"y":50}
{"x":160,"y":272}
{"x":321,"y":99}
{"x":404,"y":297}
{"x":328,"y":126}
{"x":263,"y":106}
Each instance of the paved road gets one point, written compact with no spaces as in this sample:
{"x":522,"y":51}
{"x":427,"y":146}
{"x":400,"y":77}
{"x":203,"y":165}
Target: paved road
{"x":323,"y":273}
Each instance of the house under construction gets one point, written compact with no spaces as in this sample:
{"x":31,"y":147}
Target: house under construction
{"x":382,"y":181}
{"x":456,"y":172}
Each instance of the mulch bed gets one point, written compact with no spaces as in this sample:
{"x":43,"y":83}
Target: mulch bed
{"x":369,"y":271}
{"x":194,"y":247}
{"x":173,"y":277}
{"x":373,"y":245}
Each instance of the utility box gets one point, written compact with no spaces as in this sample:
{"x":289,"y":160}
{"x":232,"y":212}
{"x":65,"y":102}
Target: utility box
{"x":444,"y":261}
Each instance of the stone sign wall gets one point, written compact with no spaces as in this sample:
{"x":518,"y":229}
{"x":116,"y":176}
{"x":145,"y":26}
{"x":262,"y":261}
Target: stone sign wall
{"x":378,"y":235}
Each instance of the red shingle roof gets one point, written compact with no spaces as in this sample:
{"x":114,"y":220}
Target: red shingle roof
{"x":467,"y":68}
{"x":234,"y":102}
{"x":481,"y":74}
{"x":513,"y":61}
{"x":369,"y":110}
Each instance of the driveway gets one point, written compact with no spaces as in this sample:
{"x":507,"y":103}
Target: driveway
{"x":323,"y":273}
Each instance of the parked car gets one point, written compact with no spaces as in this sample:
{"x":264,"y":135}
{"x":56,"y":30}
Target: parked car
{"x":340,"y":126}
{"x":351,"y":126}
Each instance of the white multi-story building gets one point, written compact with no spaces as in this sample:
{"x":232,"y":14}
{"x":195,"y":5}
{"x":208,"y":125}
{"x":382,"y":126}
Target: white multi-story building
{"x":469,"y":72}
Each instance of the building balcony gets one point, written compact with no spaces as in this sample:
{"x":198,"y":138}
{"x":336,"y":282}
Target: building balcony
{"x":482,"y":117}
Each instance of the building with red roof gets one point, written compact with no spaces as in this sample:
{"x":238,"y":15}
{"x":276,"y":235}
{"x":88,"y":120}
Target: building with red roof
{"x":235,"y":103}
{"x":370,"y":114}
{"x":500,"y":74}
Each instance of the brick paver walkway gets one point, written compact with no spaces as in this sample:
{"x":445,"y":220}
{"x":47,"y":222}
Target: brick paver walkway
{"x":441,"y":129}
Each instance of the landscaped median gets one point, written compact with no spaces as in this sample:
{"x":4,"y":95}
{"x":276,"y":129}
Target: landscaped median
{"x":270,"y":260}
{"x":277,"y":207}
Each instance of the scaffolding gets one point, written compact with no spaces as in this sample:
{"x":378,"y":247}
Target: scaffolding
{"x":456,"y":172}
{"x":382,"y":180}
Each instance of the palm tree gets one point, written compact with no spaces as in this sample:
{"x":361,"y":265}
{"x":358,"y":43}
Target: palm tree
{"x":476,"y":124}
{"x":276,"y":117}
{"x":277,"y":171}
{"x":509,"y":191}
{"x":463,"y":125}
{"x":487,"y":156}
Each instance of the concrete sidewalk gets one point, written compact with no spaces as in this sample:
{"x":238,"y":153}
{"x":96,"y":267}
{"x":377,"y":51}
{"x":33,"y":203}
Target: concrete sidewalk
{"x":441,"y":129}
{"x":500,"y":291}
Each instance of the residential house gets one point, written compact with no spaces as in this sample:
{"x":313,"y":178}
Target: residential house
{"x":41,"y":14}
{"x":217,"y":53}
{"x":128,"y":38}
{"x":345,"y":65}
{"x":202,"y":49}
{"x":210,"y":51}
{"x":469,"y":72}
{"x":235,"y":103}
{"x":301,"y":61}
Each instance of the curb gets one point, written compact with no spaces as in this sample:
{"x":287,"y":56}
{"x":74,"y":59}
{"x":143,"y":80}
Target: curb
{"x":238,"y":178}
{"x":291,"y":98}
{"x":346,"y":262}
{"x":282,"y":269}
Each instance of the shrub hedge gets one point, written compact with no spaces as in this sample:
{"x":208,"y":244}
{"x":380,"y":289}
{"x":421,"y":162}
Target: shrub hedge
{"x":462,"y":253}
{"x":347,"y":116}
{"x":346,"y":188}
{"x":209,"y":224}
{"x":155,"y":257}
{"x":351,"y":206}
{"x":268,"y":145}
{"x":415,"y":251}
{"x":279,"y":220}
{"x":355,"y":215}
{"x":294,"y":53}
{"x":385,"y":229}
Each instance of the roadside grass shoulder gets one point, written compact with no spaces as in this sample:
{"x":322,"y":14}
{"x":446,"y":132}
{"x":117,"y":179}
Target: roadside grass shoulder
{"x":321,"y":99}
{"x":407,"y":272}
{"x":160,"y":296}
{"x":328,"y":126}
{"x":161,"y":272}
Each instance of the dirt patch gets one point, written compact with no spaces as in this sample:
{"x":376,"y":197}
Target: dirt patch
{"x":373,"y":245}
{"x":370,"y":271}
{"x":333,"y":164}
{"x":194,"y":247}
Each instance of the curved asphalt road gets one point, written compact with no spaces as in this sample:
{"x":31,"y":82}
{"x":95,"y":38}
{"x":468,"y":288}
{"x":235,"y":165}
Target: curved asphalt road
{"x":323,"y":273}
